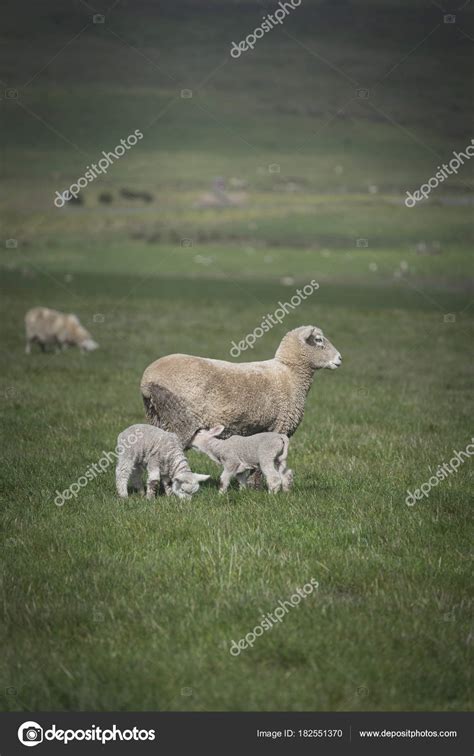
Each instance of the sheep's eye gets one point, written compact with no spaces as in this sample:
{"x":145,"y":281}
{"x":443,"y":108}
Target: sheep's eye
{"x":319,"y":339}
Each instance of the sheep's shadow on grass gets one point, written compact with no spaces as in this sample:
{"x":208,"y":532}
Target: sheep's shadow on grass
{"x":233,"y":495}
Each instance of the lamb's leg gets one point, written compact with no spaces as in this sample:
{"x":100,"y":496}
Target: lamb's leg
{"x":242,"y":478}
{"x":225,"y":479}
{"x":166,"y":486}
{"x":153,"y":483}
{"x":28,"y":347}
{"x":287,"y":479}
{"x":255,"y":480}
{"x":122,"y":476}
{"x":136,"y":480}
{"x":272,"y":476}
{"x":286,"y":475}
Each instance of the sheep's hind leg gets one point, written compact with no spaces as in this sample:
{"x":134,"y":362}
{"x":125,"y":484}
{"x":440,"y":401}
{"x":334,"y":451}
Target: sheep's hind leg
{"x":136,"y":481}
{"x":272,"y":477}
{"x":287,"y":478}
{"x":255,"y":480}
{"x":286,"y":475}
{"x":122,"y":476}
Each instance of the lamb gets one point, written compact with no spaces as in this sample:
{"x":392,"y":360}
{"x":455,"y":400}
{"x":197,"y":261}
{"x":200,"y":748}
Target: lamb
{"x":50,"y":327}
{"x":161,"y":454}
{"x":184,"y":394}
{"x":241,"y":455}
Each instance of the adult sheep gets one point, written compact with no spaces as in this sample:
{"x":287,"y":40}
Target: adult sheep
{"x":48,"y":327}
{"x":183,"y":393}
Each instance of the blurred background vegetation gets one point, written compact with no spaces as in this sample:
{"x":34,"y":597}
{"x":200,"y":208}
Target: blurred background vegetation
{"x":322,"y":128}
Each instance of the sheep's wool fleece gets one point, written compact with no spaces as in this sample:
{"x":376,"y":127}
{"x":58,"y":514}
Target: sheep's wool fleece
{"x":183,"y":393}
{"x":50,"y":325}
{"x":153,"y":444}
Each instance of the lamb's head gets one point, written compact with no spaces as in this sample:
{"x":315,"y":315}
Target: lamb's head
{"x":202,"y":437}
{"x":307,"y":345}
{"x":185,"y":484}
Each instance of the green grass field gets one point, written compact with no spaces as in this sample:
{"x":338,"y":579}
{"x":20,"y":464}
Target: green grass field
{"x":133,"y":606}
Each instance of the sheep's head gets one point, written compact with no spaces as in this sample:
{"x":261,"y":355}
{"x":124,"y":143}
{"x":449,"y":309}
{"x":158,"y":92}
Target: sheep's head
{"x":187,"y":483}
{"x":88,"y":345}
{"x":308,"y":345}
{"x":203,"y":436}
{"x":85,"y":340}
{"x":80,"y":335}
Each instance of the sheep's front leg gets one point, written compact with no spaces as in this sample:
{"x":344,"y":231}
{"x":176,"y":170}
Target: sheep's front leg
{"x":226,"y":477}
{"x":153,"y":483}
{"x":167,"y":486}
{"x":242,"y":478}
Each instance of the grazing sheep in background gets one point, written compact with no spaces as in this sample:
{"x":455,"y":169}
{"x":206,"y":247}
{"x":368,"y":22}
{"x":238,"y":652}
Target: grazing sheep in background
{"x":106,"y":198}
{"x":184,"y":394}
{"x":50,"y":327}
{"x":237,"y":183}
{"x":241,"y":455}
{"x":161,"y":455}
{"x":219,"y":197}
{"x":134,"y":195}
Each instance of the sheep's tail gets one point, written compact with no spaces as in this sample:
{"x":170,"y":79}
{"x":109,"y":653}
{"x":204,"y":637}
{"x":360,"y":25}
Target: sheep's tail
{"x":169,"y":412}
{"x":286,"y":442}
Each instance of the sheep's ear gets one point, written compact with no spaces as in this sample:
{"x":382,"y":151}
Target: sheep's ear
{"x":200,"y":478}
{"x":307,"y":334}
{"x":217,"y":430}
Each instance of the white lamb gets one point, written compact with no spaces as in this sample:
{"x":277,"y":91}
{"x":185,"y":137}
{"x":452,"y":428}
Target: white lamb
{"x":159,"y":453}
{"x":241,"y":455}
